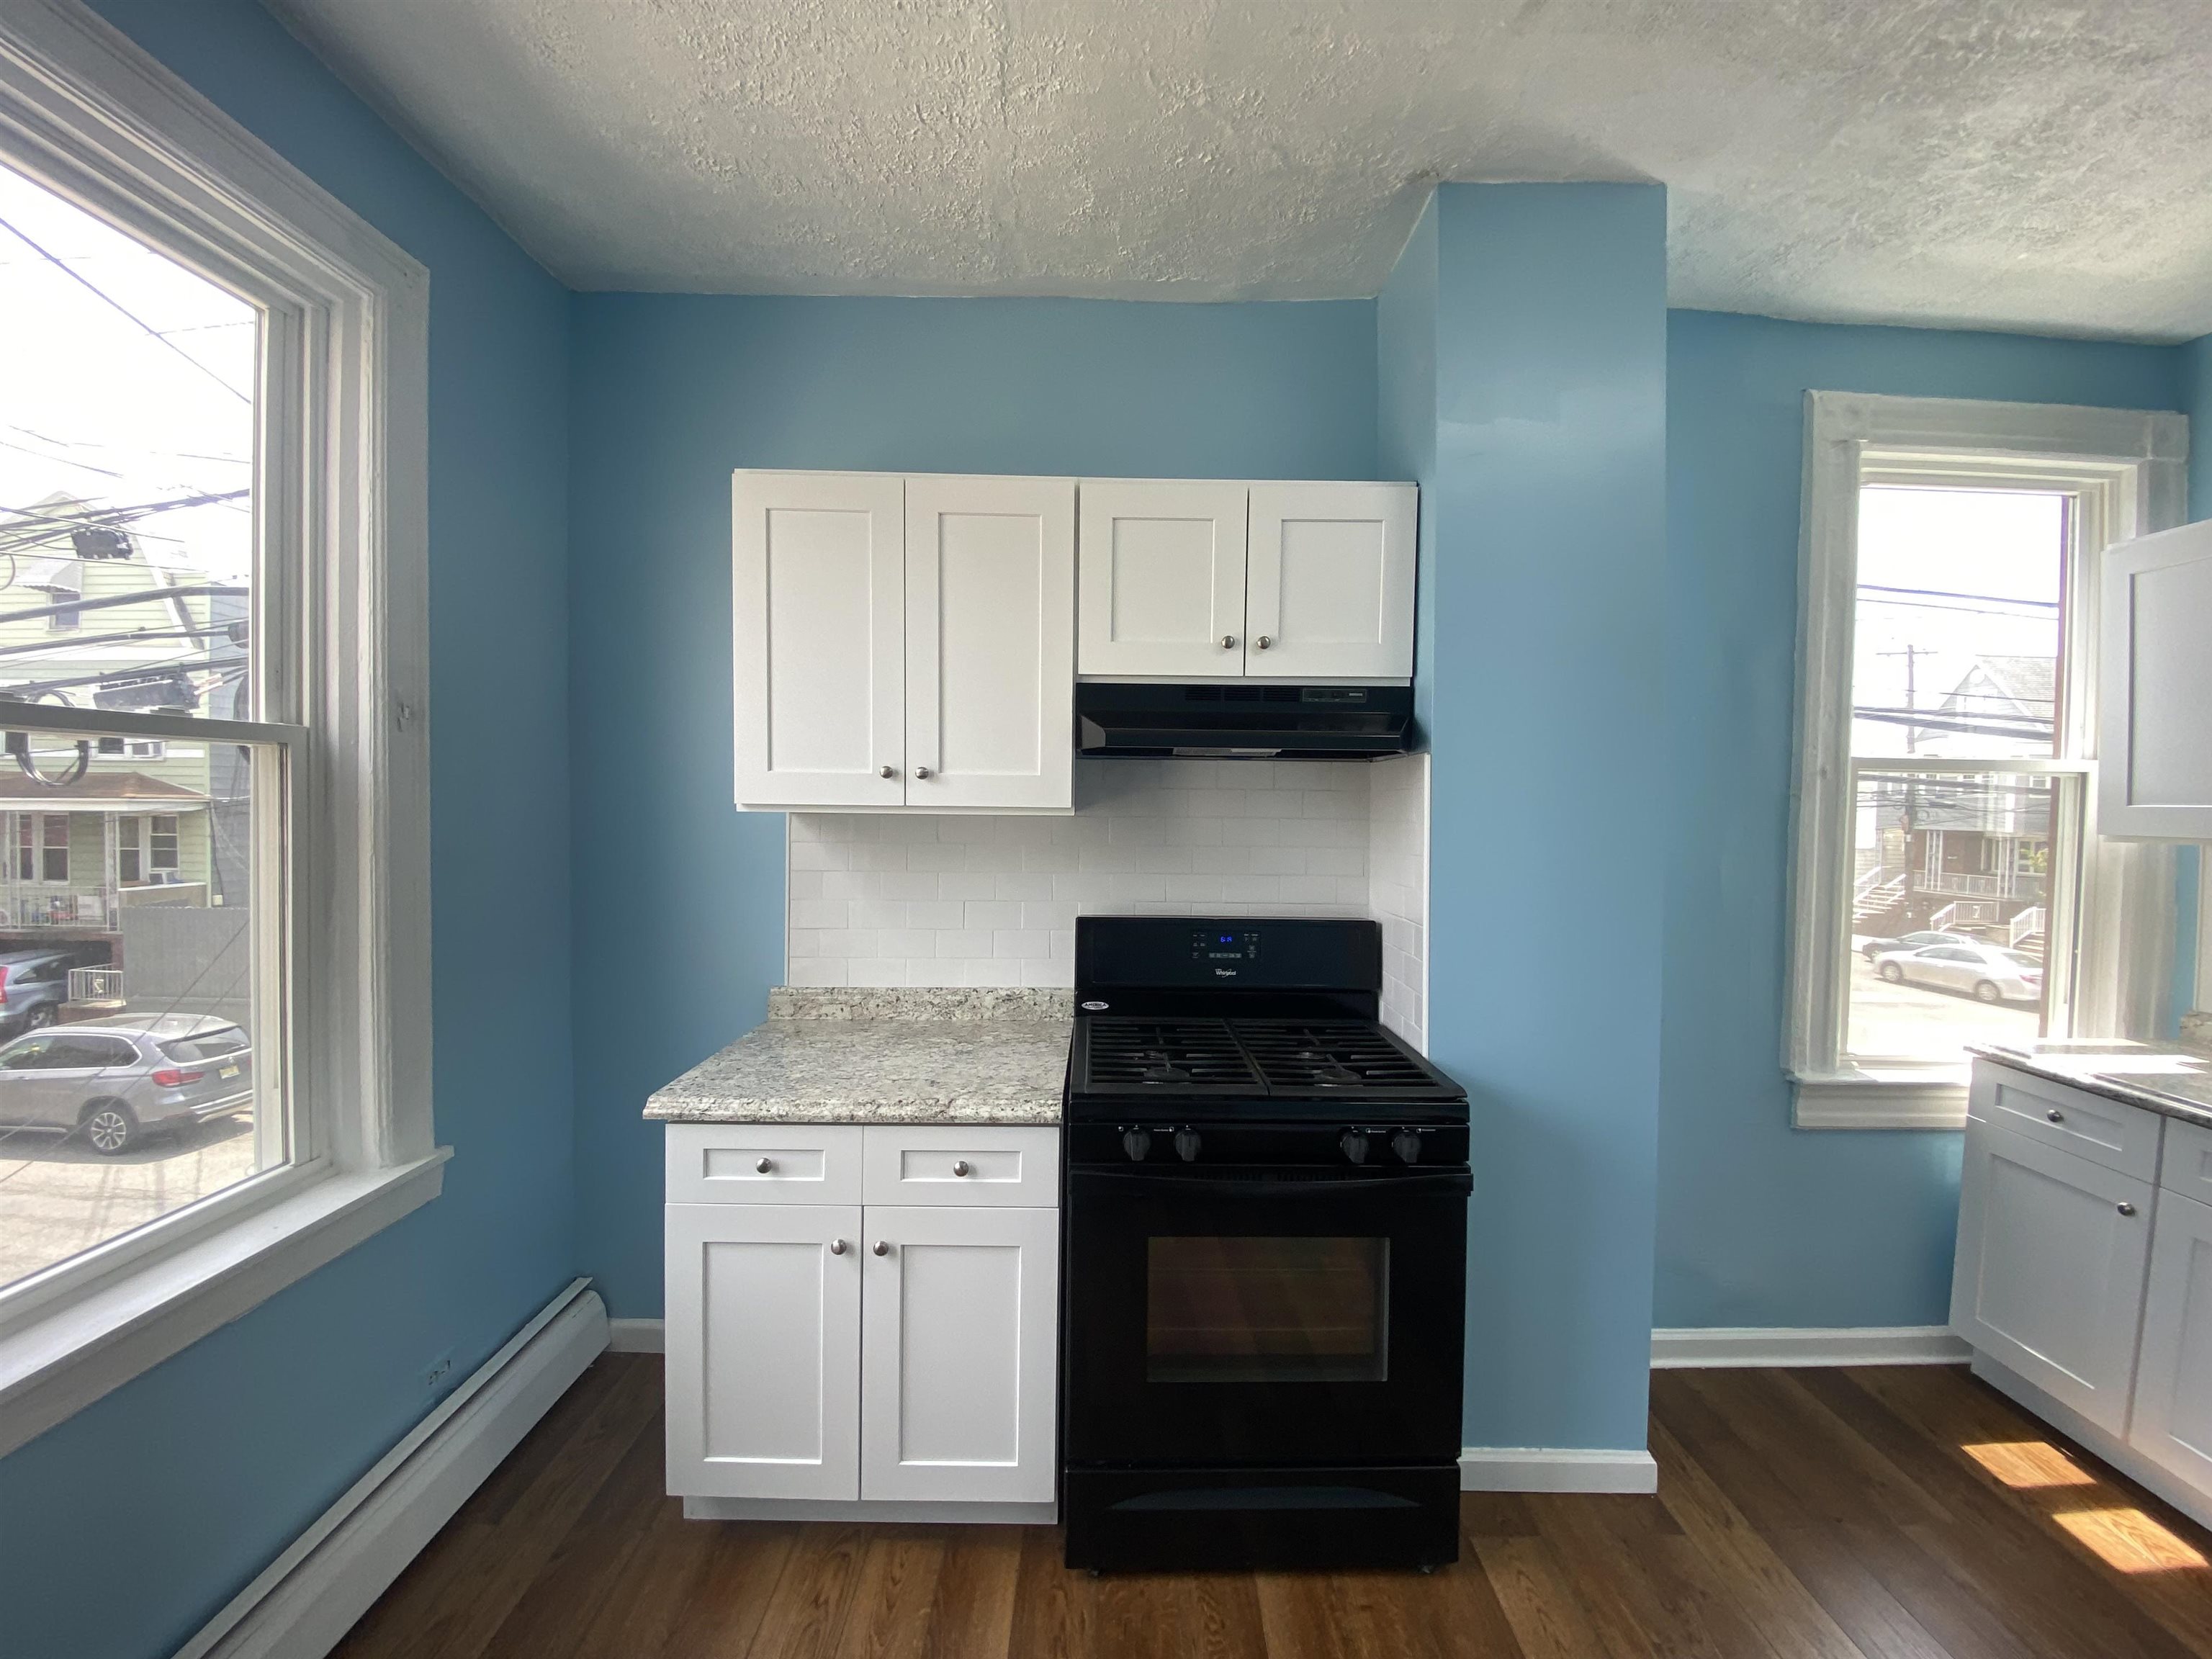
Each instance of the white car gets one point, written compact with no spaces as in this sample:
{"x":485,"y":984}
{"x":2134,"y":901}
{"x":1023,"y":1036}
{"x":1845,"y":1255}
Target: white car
{"x":1986,"y":972}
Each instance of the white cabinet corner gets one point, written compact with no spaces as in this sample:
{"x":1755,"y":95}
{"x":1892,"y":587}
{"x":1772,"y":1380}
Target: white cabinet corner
{"x":2154,"y":687}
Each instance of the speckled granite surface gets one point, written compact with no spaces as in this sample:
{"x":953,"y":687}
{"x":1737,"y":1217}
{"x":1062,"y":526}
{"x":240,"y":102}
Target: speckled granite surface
{"x":2175,"y":1078}
{"x":884,"y":1056}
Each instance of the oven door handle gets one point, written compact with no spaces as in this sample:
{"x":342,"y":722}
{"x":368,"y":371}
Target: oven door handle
{"x":1431,"y":1184}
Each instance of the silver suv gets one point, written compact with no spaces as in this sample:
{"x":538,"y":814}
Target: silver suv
{"x":115,"y":1080}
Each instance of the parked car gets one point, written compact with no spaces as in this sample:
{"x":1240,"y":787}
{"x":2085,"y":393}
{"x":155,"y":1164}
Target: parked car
{"x":1986,"y":972}
{"x":116,"y":1080}
{"x":1874,"y":947}
{"x":33,"y":985}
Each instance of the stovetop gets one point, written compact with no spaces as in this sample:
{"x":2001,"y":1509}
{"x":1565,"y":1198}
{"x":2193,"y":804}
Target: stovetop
{"x":1141,"y":1058}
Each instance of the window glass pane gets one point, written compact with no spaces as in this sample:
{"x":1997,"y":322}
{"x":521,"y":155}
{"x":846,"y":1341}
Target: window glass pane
{"x":1950,"y":909}
{"x":128,"y":1081}
{"x":127,"y":429}
{"x":1263,"y":1309}
{"x":1958,"y":644}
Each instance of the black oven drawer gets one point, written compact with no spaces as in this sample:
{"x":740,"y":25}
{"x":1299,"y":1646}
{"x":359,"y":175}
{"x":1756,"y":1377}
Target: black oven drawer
{"x":1203,"y":1520}
{"x":1230,"y":1319}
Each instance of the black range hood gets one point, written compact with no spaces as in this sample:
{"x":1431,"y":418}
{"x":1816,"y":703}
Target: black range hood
{"x":1249,"y":721}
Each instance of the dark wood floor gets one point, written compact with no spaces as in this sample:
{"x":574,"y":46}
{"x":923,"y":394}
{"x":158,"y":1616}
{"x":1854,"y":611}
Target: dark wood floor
{"x":1869,"y":1514}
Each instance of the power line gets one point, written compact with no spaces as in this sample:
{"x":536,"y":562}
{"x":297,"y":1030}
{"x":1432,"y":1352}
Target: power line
{"x":1948,"y":594}
{"x":101,"y":295}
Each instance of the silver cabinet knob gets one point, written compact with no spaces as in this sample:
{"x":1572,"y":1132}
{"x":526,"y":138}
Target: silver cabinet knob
{"x":765,"y":1165}
{"x":2127,"y":1209}
{"x":1263,"y":641}
{"x":2056,"y":1115}
{"x":836,"y":1247}
{"x":921,"y":771}
{"x":1228,"y":641}
{"x":881,"y":1246}
{"x":960,"y":1166}
{"x":887,"y":771}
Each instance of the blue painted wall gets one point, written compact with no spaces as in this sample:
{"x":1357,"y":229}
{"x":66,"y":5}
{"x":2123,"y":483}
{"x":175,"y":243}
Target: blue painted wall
{"x":1545,"y":577}
{"x":671,"y":393}
{"x":124,"y":1528}
{"x":1760,"y":1224}
{"x":1405,"y":417}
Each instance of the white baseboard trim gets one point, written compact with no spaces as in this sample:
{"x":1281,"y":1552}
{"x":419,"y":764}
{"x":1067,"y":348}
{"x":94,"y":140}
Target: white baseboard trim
{"x":309,"y":1596}
{"x":1786,"y":1347}
{"x":1557,"y":1469}
{"x":637,"y":1336}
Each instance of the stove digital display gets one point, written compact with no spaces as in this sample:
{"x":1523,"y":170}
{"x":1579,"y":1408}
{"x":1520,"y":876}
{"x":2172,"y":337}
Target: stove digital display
{"x":1212,"y":944}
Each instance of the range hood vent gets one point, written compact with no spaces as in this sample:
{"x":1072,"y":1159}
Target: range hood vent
{"x":1247,"y":721}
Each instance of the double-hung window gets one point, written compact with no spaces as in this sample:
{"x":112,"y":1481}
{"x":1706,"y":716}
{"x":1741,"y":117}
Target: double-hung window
{"x":1949,"y":889}
{"x":213,"y":742}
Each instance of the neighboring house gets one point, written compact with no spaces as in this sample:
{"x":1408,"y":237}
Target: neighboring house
{"x":1974,"y":851}
{"x":91,"y":618}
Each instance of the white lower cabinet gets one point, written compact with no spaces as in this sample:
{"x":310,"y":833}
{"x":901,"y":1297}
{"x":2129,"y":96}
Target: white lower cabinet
{"x":763,"y":1338}
{"x":2174,"y":1393}
{"x":957,"y":1349}
{"x":902,"y":1353}
{"x":2049,"y":1275}
{"x":2084,"y":1288}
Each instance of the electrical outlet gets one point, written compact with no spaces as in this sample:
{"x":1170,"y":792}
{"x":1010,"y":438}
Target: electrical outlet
{"x":438,"y":1372}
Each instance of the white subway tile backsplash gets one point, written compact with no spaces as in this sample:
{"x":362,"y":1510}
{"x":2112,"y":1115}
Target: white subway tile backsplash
{"x":887,"y":899}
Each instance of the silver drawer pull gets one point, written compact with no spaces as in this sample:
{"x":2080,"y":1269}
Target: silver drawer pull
{"x":836,"y":1247}
{"x":2127,"y":1209}
{"x":765,"y":1165}
{"x":2056,"y":1115}
{"x":960,"y":1166}
{"x":883,"y":1246}
{"x":1228,"y":641}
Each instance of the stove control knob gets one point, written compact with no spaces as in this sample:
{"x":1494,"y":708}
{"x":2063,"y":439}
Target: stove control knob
{"x":1186,"y":1146}
{"x":1137,"y":1143}
{"x":1408,"y":1145}
{"x":1353,"y":1146}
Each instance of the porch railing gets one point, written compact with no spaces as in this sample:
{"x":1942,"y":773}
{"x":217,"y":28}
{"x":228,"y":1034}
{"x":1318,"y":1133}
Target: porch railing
{"x":26,"y":905}
{"x":97,"y":985}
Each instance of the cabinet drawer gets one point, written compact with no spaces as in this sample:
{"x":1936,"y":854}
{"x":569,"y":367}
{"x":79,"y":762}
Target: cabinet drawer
{"x":970,"y":1164}
{"x":2187,"y":1166}
{"x":764,"y":1164}
{"x":2105,"y":1132}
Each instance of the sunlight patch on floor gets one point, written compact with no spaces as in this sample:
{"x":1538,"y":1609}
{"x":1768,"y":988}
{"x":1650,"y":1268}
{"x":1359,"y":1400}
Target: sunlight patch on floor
{"x":2130,"y":1541}
{"x":2026,"y":1464}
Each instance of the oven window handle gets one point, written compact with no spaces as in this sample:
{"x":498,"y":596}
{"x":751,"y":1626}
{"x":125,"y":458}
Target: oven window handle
{"x":1458,"y":1181}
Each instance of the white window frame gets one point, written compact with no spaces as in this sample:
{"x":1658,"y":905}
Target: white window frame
{"x":2126,"y":472}
{"x":343,"y":487}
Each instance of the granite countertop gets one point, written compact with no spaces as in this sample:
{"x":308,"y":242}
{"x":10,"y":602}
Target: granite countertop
{"x":886,"y":1057}
{"x":2175,"y":1078}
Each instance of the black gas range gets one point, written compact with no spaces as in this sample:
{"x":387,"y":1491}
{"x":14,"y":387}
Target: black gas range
{"x":1266,"y":1253}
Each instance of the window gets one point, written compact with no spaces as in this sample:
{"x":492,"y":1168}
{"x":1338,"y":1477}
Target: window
{"x":211,"y":634}
{"x":1948,"y":888}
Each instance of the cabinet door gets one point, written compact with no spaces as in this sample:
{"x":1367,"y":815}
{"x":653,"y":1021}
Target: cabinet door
{"x":818,"y":599}
{"x":2173,"y":1385}
{"x":1329,"y":585}
{"x":2049,"y":1278}
{"x":763,"y":1336}
{"x":957,"y":1384}
{"x":1161,"y":578}
{"x":2154,"y":683}
{"x":990,"y":641}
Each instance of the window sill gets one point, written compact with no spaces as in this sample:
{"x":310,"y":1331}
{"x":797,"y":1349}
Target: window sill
{"x":54,"y":1366}
{"x":1883,"y":1097}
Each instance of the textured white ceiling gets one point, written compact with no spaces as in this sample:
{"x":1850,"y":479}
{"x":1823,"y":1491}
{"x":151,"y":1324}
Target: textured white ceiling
{"x":1994,"y":163}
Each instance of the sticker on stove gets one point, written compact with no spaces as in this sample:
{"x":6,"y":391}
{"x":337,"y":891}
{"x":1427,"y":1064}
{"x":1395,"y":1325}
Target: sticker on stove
{"x":1094,"y":1006}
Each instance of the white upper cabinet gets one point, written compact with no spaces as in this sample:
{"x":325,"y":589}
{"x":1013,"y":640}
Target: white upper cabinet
{"x":819,"y":604}
{"x":990,"y":641}
{"x":1329,"y":581}
{"x":2155,"y":691}
{"x":1163,"y":577}
{"x":1225,"y":580}
{"x":903,"y":643}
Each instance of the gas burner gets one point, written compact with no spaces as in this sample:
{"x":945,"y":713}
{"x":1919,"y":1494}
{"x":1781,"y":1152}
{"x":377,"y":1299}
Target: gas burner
{"x":1334,"y":1076}
{"x":1164,"y":1072}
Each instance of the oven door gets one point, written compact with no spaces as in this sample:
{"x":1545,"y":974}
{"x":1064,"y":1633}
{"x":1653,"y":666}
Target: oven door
{"x":1248,"y":1317}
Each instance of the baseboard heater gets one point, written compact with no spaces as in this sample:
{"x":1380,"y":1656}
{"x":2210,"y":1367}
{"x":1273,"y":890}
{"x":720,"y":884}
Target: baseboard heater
{"x":310,"y":1596}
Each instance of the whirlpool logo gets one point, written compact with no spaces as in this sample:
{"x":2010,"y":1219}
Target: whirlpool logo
{"x":1224,"y":972}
